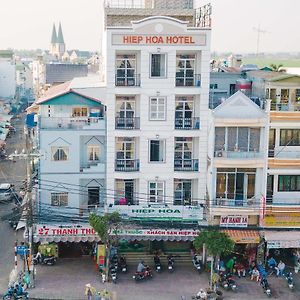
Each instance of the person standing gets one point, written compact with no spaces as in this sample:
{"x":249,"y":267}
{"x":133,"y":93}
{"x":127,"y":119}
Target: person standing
{"x":89,"y":291}
{"x":230,"y":264}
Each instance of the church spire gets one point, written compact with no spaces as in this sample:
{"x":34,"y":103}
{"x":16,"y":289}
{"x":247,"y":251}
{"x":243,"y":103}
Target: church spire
{"x":60,"y":37}
{"x":54,"y":35}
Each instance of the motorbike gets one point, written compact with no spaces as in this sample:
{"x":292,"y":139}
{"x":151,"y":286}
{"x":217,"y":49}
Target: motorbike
{"x":197,"y":263}
{"x":45,"y":260}
{"x":170,"y":264}
{"x":266,"y":287}
{"x":123,"y":264}
{"x":114,"y":261}
{"x":157,"y":264}
{"x":290,"y":280}
{"x":146,"y":274}
{"x":231,"y":282}
{"x":15,"y":293}
{"x":113,"y":274}
{"x":223,"y":281}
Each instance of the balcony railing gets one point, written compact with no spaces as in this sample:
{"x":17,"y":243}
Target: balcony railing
{"x":253,"y":203}
{"x":284,"y":154}
{"x":285,"y":106}
{"x":239,"y":154}
{"x":133,"y":4}
{"x":187,"y":123}
{"x":71,"y":122}
{"x":134,"y":80}
{"x":127,"y":165}
{"x":186,"y":165}
{"x":127,"y":123}
{"x":188,"y":81}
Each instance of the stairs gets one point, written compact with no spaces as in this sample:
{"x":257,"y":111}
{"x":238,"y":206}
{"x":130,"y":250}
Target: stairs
{"x":180,"y":258}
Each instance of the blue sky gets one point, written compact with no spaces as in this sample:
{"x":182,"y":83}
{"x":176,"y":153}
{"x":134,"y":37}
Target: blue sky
{"x":27,"y":24}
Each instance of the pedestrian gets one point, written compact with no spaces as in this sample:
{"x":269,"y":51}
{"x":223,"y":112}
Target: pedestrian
{"x":280,"y":268}
{"x":89,"y":291}
{"x":230,"y":264}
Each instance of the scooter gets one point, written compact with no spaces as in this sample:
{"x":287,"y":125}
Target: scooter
{"x":113,"y":274}
{"x":197,"y":263}
{"x":139,"y":276}
{"x":45,"y":260}
{"x":231,"y":282}
{"x":266,"y":287}
{"x":9,"y":294}
{"x":157,"y":264}
{"x":290,"y":280}
{"x":170,"y":264}
{"x":123,"y":264}
{"x":223,"y":281}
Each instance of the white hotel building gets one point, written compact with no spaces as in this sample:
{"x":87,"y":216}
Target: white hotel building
{"x":157,"y":76}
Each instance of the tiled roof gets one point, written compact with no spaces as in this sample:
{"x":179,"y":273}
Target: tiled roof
{"x":270,"y":76}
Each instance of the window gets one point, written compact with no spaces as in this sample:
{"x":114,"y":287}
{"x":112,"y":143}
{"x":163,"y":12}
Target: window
{"x":93,"y":153}
{"x":158,"y":65}
{"x":184,"y":107}
{"x":241,"y":139}
{"x":157,"y":151}
{"x":59,"y":199}
{"x":125,"y":189}
{"x":60,"y":153}
{"x":185,"y":69}
{"x":183,"y":148}
{"x":79,"y":112}
{"x":182,"y":192}
{"x":157,"y":108}
{"x":125,"y":148}
{"x":289,"y":137}
{"x":93,"y":196}
{"x":156,"y":191}
{"x":289,"y":183}
{"x":125,"y":70}
{"x":213,"y":86}
{"x":125,"y":107}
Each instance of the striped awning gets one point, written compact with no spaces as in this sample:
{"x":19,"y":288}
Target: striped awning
{"x":243,"y":236}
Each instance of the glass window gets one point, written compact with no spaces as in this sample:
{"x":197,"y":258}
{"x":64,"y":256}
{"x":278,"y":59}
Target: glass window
{"x":219,"y":138}
{"x":93,"y":153}
{"x":221,"y":185}
{"x":185,"y":69}
{"x":289,"y":183}
{"x":182,"y":192}
{"x":289,"y":137}
{"x":242,"y":144}
{"x":231,"y":138}
{"x":157,"y":108}
{"x":125,"y":148}
{"x":59,"y":199}
{"x":59,"y":153}
{"x":156,"y":191}
{"x":254,"y":142}
{"x":157,"y":151}
{"x":125,"y":70}
{"x":158,"y":65}
{"x":79,"y":112}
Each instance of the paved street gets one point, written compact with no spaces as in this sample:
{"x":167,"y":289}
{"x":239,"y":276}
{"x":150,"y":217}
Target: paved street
{"x":71,"y":275}
{"x":11,"y":172}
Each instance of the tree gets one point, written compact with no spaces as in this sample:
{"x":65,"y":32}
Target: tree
{"x":277,"y":68}
{"x":107,"y":228}
{"x":216,"y":243}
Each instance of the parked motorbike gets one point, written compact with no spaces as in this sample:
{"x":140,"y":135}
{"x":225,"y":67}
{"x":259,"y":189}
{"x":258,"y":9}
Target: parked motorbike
{"x":114,"y":261}
{"x":231,"y":282}
{"x":157,"y":263}
{"x":170,"y":264}
{"x":15,"y":292}
{"x":223,"y":281}
{"x":45,"y":260}
{"x":123,"y":264}
{"x":197,"y":263}
{"x":113,"y":274}
{"x":290,"y":280}
{"x":146,"y":274}
{"x":266,"y":287}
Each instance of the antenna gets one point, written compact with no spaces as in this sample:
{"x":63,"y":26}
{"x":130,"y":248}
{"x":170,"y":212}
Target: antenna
{"x":259,"y":32}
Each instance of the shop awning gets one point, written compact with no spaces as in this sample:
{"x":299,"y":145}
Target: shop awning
{"x":282,"y":239}
{"x":58,"y":239}
{"x":243,"y":236}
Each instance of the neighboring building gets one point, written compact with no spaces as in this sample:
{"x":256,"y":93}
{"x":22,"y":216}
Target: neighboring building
{"x":7,"y":75}
{"x":57,"y":46}
{"x":237,"y":169}
{"x":24,"y":80}
{"x":283,"y":185}
{"x":72,"y":142}
{"x":157,"y":76}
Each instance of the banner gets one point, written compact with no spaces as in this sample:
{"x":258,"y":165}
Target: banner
{"x":101,"y":255}
{"x":288,"y":219}
{"x":157,"y":232}
{"x":65,"y":230}
{"x":234,"y":221}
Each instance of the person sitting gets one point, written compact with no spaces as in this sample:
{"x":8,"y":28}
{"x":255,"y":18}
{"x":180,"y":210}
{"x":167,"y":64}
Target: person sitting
{"x":255,"y":274}
{"x":141,"y":267}
{"x":241,"y":270}
{"x":280,"y":268}
{"x":272,"y":263}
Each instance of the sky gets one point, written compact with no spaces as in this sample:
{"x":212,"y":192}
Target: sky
{"x":28,"y":24}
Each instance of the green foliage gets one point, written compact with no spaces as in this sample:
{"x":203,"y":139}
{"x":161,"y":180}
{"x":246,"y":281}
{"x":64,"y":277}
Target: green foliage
{"x":104,"y":224}
{"x":275,"y":67}
{"x":216,"y":242}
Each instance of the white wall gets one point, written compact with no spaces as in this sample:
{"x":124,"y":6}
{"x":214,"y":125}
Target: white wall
{"x":7,"y":78}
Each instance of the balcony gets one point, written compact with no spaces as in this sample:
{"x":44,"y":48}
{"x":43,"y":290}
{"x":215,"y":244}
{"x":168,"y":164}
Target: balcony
{"x":290,"y":107}
{"x":284,"y":154}
{"x":236,"y":203}
{"x":134,"y":80}
{"x":127,"y":165}
{"x":127,"y":123}
{"x":187,"y":123}
{"x":72,"y":123}
{"x":187,"y":165}
{"x":239,"y":154}
{"x":188,"y":81}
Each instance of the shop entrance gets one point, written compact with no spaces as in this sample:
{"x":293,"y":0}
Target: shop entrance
{"x":74,"y":250}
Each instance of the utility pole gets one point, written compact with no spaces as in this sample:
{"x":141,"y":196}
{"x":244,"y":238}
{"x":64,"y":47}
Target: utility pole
{"x":259,"y":32}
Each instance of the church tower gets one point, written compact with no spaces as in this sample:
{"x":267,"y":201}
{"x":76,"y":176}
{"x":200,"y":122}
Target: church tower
{"x":53,"y":50}
{"x":61,"y":46}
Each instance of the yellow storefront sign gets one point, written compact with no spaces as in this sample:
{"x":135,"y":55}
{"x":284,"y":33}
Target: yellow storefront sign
{"x":282,"y":220}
